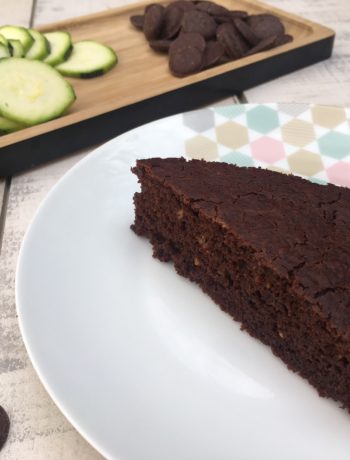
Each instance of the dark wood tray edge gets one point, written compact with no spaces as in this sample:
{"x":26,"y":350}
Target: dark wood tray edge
{"x":44,"y":148}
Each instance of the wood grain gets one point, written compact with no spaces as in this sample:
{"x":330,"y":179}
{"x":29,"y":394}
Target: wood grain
{"x":14,"y":12}
{"x":39,"y":431}
{"x":141,"y":69}
{"x":325,"y":83}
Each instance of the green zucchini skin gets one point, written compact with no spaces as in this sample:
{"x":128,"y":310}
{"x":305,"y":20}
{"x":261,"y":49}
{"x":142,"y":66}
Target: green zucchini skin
{"x":17,"y":33}
{"x":40,"y":48}
{"x":16,"y":48}
{"x":5,"y":51}
{"x":8,"y":126}
{"x":88,"y":59}
{"x":60,"y":45}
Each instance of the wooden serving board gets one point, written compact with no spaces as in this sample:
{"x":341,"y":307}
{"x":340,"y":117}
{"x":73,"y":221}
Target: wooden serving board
{"x":140,"y":88}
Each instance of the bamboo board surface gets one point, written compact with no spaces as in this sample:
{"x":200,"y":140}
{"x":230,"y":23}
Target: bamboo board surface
{"x":141,"y":73}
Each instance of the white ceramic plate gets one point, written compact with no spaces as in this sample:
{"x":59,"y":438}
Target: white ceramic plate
{"x":140,"y":361}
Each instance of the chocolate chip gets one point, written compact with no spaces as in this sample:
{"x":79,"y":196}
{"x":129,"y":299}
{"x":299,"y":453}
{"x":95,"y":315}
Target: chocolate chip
{"x":199,"y":22}
{"x":265,"y":25}
{"x":185,"y":41}
{"x":213,"y":52}
{"x":238,"y":14}
{"x":153,"y":22}
{"x":222,"y":19}
{"x":183,"y":27}
{"x":137,"y":21}
{"x":172,"y":22}
{"x":184,"y":5}
{"x":160,"y":45}
{"x":232,"y":43}
{"x":264,"y":45}
{"x":246,"y":32}
{"x":283,"y":40}
{"x":185,"y":62}
{"x":212,"y":8}
{"x":4,"y":426}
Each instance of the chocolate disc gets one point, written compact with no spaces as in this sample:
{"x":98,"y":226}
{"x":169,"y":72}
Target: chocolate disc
{"x":160,"y":45}
{"x":246,"y":32}
{"x":199,"y":22}
{"x":222,"y":19}
{"x":232,"y":43}
{"x":172,"y":22}
{"x":265,"y":25}
{"x":153,"y":21}
{"x":137,"y":21}
{"x":238,"y":14}
{"x":264,"y":45}
{"x":283,"y":40}
{"x":4,"y":426}
{"x":185,"y":62}
{"x":184,"y":5}
{"x":185,"y":41}
{"x":212,"y":8}
{"x":213,"y":52}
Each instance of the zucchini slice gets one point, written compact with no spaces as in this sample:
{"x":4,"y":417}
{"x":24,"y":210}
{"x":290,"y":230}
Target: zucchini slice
{"x":9,"y":126}
{"x":40,"y":48}
{"x":32,"y":92}
{"x":4,"y":51}
{"x":4,"y":40}
{"x":16,"y":48}
{"x":60,"y":47}
{"x":88,"y":59}
{"x":17,"y":33}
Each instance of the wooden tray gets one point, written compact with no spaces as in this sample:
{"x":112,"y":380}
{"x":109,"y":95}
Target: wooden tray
{"x":141,"y":89}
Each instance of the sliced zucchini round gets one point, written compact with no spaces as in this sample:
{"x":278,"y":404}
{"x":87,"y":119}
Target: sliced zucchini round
{"x":9,"y":126}
{"x":17,"y":33}
{"x":16,"y":48}
{"x":4,"y":51}
{"x":60,"y":47}
{"x":88,"y":59}
{"x":4,"y":40}
{"x":40,"y":48}
{"x":32,"y":92}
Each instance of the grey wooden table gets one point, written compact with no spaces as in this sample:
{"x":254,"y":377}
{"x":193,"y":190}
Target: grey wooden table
{"x":39,"y":431}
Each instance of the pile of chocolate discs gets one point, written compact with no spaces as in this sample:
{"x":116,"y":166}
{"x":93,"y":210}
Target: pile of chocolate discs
{"x":201,"y":34}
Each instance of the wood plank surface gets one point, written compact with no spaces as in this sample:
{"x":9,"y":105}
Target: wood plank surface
{"x":14,"y":12}
{"x":39,"y":431}
{"x":325,"y":83}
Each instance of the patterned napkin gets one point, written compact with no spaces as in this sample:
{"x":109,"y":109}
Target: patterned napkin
{"x":311,"y":141}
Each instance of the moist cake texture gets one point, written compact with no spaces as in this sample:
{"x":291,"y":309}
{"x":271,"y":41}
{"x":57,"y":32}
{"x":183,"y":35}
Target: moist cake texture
{"x":271,"y":250}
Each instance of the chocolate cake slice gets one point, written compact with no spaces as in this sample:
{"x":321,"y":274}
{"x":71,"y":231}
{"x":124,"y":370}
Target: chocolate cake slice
{"x":271,"y":250}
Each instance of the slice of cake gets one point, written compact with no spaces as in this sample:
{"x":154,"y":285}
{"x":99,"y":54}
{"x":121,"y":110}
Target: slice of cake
{"x":272,"y":250}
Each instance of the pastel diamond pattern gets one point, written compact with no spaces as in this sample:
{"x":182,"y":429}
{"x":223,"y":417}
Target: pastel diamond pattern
{"x":262,"y":119}
{"x":298,"y":132}
{"x":267,"y":150}
{"x":339,"y":173}
{"x":232,"y":134}
{"x":305,"y":163}
{"x":201,"y":148}
{"x":328,"y":117}
{"x":238,"y":158}
{"x":335,"y":145}
{"x":307,"y":140}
